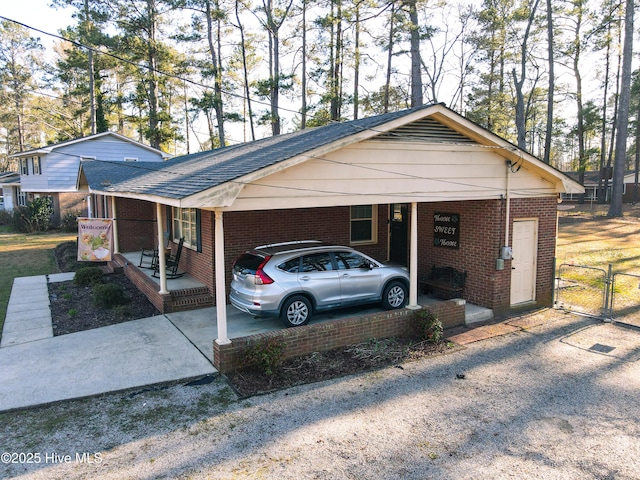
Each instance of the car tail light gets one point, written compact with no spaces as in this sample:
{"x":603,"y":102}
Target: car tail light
{"x":261,"y":277}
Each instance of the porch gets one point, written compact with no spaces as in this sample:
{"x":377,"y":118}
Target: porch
{"x":185,"y":292}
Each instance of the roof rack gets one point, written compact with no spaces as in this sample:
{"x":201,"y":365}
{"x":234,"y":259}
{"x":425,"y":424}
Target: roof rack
{"x":283,"y":244}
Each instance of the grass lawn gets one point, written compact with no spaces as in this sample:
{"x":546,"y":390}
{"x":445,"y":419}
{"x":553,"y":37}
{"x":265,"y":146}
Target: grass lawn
{"x":24,"y":255}
{"x":588,"y":237}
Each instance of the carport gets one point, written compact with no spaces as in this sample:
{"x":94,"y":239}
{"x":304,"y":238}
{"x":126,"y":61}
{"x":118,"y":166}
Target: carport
{"x":420,"y":159}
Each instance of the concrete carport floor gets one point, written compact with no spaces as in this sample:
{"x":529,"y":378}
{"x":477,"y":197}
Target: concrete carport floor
{"x":37,"y":368}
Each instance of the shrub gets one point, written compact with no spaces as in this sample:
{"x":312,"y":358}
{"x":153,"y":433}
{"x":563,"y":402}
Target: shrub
{"x":6,"y":217}
{"x":72,"y":312}
{"x":66,"y":254}
{"x":35,"y":217}
{"x":109,"y":295}
{"x":429,"y":327}
{"x":264,"y":356}
{"x":69,"y":222}
{"x":86,"y":276}
{"x":67,"y":247}
{"x":121,"y":312}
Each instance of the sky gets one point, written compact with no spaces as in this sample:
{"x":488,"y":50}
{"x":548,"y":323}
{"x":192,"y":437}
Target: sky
{"x":37,"y":13}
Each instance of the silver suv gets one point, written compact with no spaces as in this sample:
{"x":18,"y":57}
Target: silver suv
{"x":292,"y":280}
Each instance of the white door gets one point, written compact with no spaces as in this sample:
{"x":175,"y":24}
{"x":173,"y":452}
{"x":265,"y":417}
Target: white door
{"x":523,"y":273}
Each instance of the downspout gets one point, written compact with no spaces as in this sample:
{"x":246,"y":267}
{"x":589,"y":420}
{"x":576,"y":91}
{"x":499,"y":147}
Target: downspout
{"x":116,"y":243}
{"x":507,"y":206}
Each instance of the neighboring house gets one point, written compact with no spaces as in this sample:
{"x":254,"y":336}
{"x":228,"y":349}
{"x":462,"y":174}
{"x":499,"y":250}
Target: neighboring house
{"x":592,"y":184}
{"x":389,"y":185}
{"x":12,"y":196}
{"x":52,"y":170}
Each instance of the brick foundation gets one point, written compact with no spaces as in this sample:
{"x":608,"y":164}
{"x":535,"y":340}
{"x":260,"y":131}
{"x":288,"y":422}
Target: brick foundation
{"x":333,"y":334}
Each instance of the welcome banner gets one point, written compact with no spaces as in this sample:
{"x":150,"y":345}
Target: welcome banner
{"x":95,"y":239}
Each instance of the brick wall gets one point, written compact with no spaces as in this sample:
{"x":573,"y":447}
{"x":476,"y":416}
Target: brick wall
{"x":137,"y":227}
{"x":328,"y":335}
{"x":147,"y":286}
{"x":545,"y":211}
{"x":73,"y":203}
{"x":482,"y":224}
{"x":245,"y":230}
{"x":481,"y":236}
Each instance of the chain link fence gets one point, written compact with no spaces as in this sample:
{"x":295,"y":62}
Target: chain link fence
{"x":581,"y":289}
{"x":625,"y":299}
{"x":598,"y":292}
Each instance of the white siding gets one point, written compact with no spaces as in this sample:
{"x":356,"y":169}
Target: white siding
{"x":375,"y":172}
{"x":7,"y":195}
{"x":60,"y":167}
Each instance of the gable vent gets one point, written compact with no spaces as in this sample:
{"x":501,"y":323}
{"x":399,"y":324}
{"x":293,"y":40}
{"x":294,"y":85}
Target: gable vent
{"x":425,"y":130}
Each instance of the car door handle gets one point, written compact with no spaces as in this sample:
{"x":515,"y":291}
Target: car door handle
{"x":305,"y":278}
{"x":346,"y":275}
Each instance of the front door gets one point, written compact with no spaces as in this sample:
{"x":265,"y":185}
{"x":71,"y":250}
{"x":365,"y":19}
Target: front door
{"x":399,"y":228}
{"x":523,"y":273}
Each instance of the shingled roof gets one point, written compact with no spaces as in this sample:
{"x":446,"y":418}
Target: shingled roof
{"x":214,"y":177}
{"x":183,"y":176}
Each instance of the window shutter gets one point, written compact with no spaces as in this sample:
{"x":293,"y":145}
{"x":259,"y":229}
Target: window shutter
{"x":199,"y":230}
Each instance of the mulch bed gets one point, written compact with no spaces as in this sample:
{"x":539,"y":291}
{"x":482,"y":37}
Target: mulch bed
{"x":340,"y":362}
{"x":73,"y":308}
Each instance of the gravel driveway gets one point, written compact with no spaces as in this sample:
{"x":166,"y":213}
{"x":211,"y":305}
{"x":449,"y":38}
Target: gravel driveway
{"x":549,"y":401}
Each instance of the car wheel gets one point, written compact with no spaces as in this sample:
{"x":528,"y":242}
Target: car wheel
{"x":296,"y":311}
{"x":394,"y":296}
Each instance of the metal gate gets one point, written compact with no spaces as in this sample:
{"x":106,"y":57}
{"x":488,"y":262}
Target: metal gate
{"x":582,"y":289}
{"x":598,"y":292}
{"x":625,"y":299}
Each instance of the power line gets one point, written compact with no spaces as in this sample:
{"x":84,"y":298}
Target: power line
{"x":530,"y":192}
{"x":142,"y":66}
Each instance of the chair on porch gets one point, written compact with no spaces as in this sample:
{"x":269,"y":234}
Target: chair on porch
{"x":149,"y":257}
{"x":171,"y":264}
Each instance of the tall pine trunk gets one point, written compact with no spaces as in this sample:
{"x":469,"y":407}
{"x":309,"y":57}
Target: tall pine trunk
{"x":615,"y":209}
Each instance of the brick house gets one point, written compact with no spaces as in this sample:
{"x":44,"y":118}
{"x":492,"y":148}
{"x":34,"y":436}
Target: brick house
{"x":421,"y":187}
{"x":595,"y":182}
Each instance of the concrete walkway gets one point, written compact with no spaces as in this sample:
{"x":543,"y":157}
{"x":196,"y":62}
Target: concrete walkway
{"x":37,"y":368}
{"x":28,"y":315}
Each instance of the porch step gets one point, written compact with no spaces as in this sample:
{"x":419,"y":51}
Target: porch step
{"x":190,"y":299}
{"x":475,"y":314}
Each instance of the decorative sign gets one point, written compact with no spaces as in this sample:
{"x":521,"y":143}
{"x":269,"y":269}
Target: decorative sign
{"x":95,"y":239}
{"x":446,"y":230}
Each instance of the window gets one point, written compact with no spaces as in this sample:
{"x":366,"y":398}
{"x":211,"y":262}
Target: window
{"x":36,"y":167}
{"x":290,"y":266}
{"x":317,"y":262}
{"x":24,"y":166}
{"x":363,"y":223}
{"x":21,"y":197}
{"x":185,"y":225}
{"x":348,"y":260}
